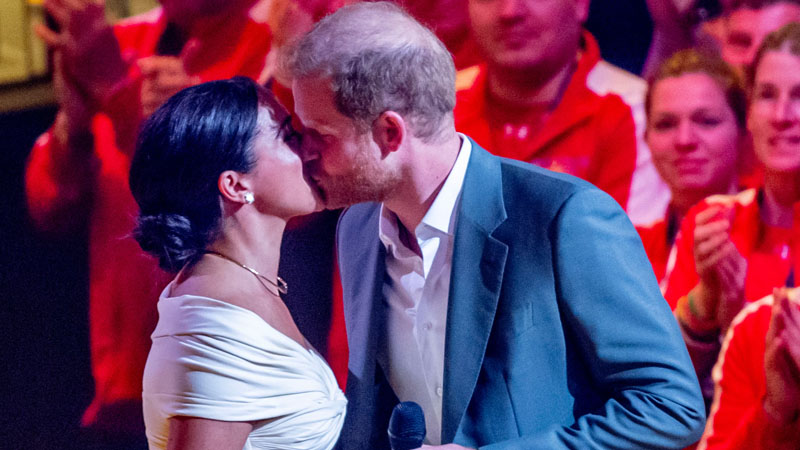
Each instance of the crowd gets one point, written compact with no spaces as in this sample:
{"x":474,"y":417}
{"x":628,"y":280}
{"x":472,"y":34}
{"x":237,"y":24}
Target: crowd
{"x":703,"y":156}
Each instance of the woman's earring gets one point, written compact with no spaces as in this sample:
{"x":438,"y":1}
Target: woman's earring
{"x":249,"y":198}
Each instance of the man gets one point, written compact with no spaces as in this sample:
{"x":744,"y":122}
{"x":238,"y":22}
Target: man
{"x":515,"y":305}
{"x":544,"y":96}
{"x":107,"y":79}
{"x":746,"y":25}
{"x":736,"y":27}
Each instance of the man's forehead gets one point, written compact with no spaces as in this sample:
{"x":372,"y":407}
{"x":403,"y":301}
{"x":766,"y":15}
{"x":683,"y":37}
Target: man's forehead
{"x":314,"y":103}
{"x":312,"y":95}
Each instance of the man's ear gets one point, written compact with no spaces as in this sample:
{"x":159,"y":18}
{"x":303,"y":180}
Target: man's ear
{"x":389,"y":132}
{"x":233,"y":186}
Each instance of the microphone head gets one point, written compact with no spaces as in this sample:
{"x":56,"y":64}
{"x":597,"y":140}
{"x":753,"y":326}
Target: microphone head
{"x":406,"y":426}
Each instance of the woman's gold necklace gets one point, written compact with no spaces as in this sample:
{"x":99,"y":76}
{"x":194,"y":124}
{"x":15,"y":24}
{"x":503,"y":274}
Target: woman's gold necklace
{"x":279,"y":284}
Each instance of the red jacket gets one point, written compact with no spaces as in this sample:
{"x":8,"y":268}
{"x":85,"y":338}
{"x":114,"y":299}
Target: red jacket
{"x":658,"y":240}
{"x":737,"y":419}
{"x":124,"y":282}
{"x":596,"y":132}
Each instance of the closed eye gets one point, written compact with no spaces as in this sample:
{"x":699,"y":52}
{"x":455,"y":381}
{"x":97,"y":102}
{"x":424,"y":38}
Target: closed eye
{"x":288,"y":134}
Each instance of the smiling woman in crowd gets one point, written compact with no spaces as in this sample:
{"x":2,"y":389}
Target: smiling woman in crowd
{"x":735,"y":249}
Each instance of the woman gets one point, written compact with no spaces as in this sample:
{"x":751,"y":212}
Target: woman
{"x":216,"y":178}
{"x":696,"y":108}
{"x":736,"y":249}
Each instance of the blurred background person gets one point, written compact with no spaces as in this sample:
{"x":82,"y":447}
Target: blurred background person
{"x":217,"y":176}
{"x":744,"y":28}
{"x":696,"y":107}
{"x":732,"y":28}
{"x":107,"y":79}
{"x":748,"y":22}
{"x":736,"y":249}
{"x":757,"y":379}
{"x":684,"y":24}
{"x":545,"y":96}
{"x":449,"y":20}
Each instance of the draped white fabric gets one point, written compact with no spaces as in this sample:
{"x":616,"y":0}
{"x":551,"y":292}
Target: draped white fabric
{"x":214,"y":360}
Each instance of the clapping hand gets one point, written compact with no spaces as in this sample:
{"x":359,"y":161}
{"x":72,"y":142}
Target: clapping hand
{"x":720,"y":266}
{"x":90,"y":56}
{"x":782,"y":358}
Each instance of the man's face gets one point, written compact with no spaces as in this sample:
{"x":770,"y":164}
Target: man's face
{"x":528,"y":34}
{"x":342,"y":164}
{"x":746,"y":28}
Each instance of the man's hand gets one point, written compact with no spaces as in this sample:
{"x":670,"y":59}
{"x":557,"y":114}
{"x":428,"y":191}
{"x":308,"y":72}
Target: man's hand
{"x":782,"y":359}
{"x":162,"y":77}
{"x":89,"y":49}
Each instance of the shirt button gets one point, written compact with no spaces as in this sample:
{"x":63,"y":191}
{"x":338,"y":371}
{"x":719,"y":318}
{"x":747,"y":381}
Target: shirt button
{"x":439,"y":391}
{"x":428,"y":326}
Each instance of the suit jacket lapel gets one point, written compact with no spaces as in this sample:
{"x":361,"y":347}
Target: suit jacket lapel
{"x":475,"y":281}
{"x":363,"y":318}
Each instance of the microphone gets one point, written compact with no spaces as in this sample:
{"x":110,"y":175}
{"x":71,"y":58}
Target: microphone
{"x":406,"y":426}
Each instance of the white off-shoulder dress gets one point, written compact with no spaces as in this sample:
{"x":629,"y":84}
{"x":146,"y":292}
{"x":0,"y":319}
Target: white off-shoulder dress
{"x":214,"y":360}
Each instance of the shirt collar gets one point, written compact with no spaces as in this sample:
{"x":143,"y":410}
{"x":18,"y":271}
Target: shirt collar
{"x":441,"y":215}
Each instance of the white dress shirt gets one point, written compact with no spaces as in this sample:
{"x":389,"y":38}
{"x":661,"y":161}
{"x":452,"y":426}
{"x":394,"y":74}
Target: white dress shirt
{"x":415,"y":292}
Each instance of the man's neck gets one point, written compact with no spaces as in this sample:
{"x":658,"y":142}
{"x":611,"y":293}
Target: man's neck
{"x":522,"y":87}
{"x":425,"y":175}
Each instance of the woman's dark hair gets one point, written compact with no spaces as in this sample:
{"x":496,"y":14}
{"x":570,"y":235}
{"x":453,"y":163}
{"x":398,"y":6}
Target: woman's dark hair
{"x":182,"y":149}
{"x":694,"y":61}
{"x":785,"y":38}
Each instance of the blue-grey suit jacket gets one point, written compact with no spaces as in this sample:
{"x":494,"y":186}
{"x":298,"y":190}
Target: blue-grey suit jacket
{"x":557,"y":335}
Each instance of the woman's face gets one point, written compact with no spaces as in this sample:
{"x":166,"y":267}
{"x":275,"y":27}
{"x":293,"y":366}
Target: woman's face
{"x":280,"y":187}
{"x":774,"y":117}
{"x":693,"y":134}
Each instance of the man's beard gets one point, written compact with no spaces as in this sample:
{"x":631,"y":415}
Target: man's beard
{"x":367,"y":181}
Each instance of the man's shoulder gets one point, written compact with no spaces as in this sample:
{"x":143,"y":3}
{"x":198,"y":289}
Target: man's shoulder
{"x":606,"y":79}
{"x":522,"y":173}
{"x":527,"y":185}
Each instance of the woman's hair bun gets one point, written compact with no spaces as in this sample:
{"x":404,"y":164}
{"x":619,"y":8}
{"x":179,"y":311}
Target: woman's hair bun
{"x":170,"y":238}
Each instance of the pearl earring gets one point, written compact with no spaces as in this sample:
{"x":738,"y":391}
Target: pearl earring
{"x":249,"y":198}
